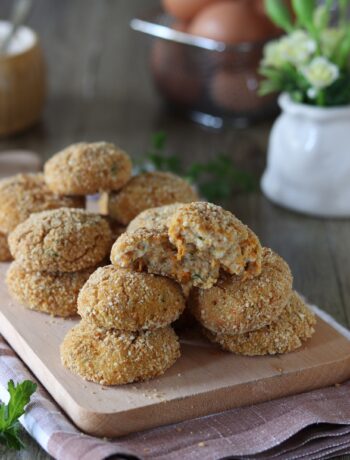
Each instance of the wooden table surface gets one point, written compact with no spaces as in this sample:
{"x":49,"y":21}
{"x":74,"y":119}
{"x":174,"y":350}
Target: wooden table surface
{"x":100,"y":89}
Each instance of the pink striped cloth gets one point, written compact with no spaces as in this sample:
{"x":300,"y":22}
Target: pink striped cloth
{"x":312,"y":425}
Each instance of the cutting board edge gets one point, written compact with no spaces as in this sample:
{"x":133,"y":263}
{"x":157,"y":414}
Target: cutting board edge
{"x":178,"y":410}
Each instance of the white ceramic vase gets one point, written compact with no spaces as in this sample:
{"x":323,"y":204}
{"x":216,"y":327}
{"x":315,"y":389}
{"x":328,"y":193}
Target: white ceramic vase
{"x":308,"y":164}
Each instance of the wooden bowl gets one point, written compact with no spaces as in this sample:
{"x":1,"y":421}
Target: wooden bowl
{"x":22,"y":85}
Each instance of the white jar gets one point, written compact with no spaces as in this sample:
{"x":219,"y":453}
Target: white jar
{"x":308,"y":164}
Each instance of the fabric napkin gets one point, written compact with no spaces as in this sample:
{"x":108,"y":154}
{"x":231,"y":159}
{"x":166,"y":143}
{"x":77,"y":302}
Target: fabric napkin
{"x":311,"y":425}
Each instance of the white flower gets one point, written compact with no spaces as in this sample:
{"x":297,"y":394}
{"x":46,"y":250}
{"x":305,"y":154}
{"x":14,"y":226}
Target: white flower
{"x":272,"y":54}
{"x":320,"y":72}
{"x":330,"y":39}
{"x":297,"y":48}
{"x":312,"y":93}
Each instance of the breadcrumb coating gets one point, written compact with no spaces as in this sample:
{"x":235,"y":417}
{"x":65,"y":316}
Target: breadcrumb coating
{"x":88,"y":168}
{"x":206,"y":233}
{"x":236,"y":305}
{"x":23,"y":194}
{"x":150,"y":251}
{"x":127,"y":300}
{"x":112,"y":357}
{"x":294,"y":326}
{"x":193,"y":267}
{"x":63,"y":240}
{"x":148,"y":190}
{"x":53,"y":293}
{"x":154,"y":218}
{"x":5,"y":254}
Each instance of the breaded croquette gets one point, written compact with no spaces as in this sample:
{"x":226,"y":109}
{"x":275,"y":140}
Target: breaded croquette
{"x":293,"y":327}
{"x":150,"y":251}
{"x":53,"y":293}
{"x":24,"y":194}
{"x":127,"y":300}
{"x":65,"y":240}
{"x":148,"y":190}
{"x":88,"y":168}
{"x":236,"y":305}
{"x":112,"y":357}
{"x":153,"y":218}
{"x":205,"y":233}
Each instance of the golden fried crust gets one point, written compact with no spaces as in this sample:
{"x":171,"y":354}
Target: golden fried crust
{"x":148,"y":190}
{"x":84,"y":169}
{"x":53,"y":293}
{"x":209,"y":233}
{"x":149,"y":251}
{"x":236,"y":305}
{"x":294,"y":326}
{"x":153,"y":218}
{"x":5,"y":254}
{"x":112,"y":357}
{"x":130,"y":301}
{"x":65,"y":240}
{"x":23,"y":194}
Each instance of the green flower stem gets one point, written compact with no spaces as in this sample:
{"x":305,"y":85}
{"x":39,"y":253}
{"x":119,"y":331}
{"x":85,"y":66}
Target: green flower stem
{"x":320,"y":99}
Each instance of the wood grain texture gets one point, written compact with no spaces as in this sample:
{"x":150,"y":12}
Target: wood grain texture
{"x":99,"y":88}
{"x":204,"y":380}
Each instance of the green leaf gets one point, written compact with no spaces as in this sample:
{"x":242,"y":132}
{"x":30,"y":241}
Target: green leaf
{"x":305,"y":10}
{"x":279,"y":14}
{"x":343,"y":11}
{"x":321,"y":17}
{"x":20,"y":395}
{"x":159,"y":140}
{"x":339,"y":92}
{"x":215,"y":179}
{"x":218,"y":178}
{"x":342,"y":54}
{"x":19,"y":398}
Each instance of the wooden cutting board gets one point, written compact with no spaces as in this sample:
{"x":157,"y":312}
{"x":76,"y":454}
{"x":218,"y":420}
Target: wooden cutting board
{"x":205,"y":379}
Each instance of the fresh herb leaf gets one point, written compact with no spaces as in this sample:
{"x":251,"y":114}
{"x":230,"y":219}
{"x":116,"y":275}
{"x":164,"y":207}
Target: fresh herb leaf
{"x":20,"y":395}
{"x":215,"y":179}
{"x":159,"y":140}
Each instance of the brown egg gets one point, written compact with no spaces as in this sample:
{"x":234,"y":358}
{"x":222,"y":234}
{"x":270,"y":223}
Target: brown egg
{"x":174,"y":74}
{"x":259,"y":6}
{"x":180,"y":26}
{"x":237,"y":92}
{"x":185,"y":9}
{"x":230,"y":21}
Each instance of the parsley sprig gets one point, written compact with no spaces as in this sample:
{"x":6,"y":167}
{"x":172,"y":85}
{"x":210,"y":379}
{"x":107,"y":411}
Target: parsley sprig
{"x":20,"y":395}
{"x":215,"y":179}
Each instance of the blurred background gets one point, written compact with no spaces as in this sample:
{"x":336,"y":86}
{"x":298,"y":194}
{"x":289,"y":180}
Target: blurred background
{"x":100,"y":84}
